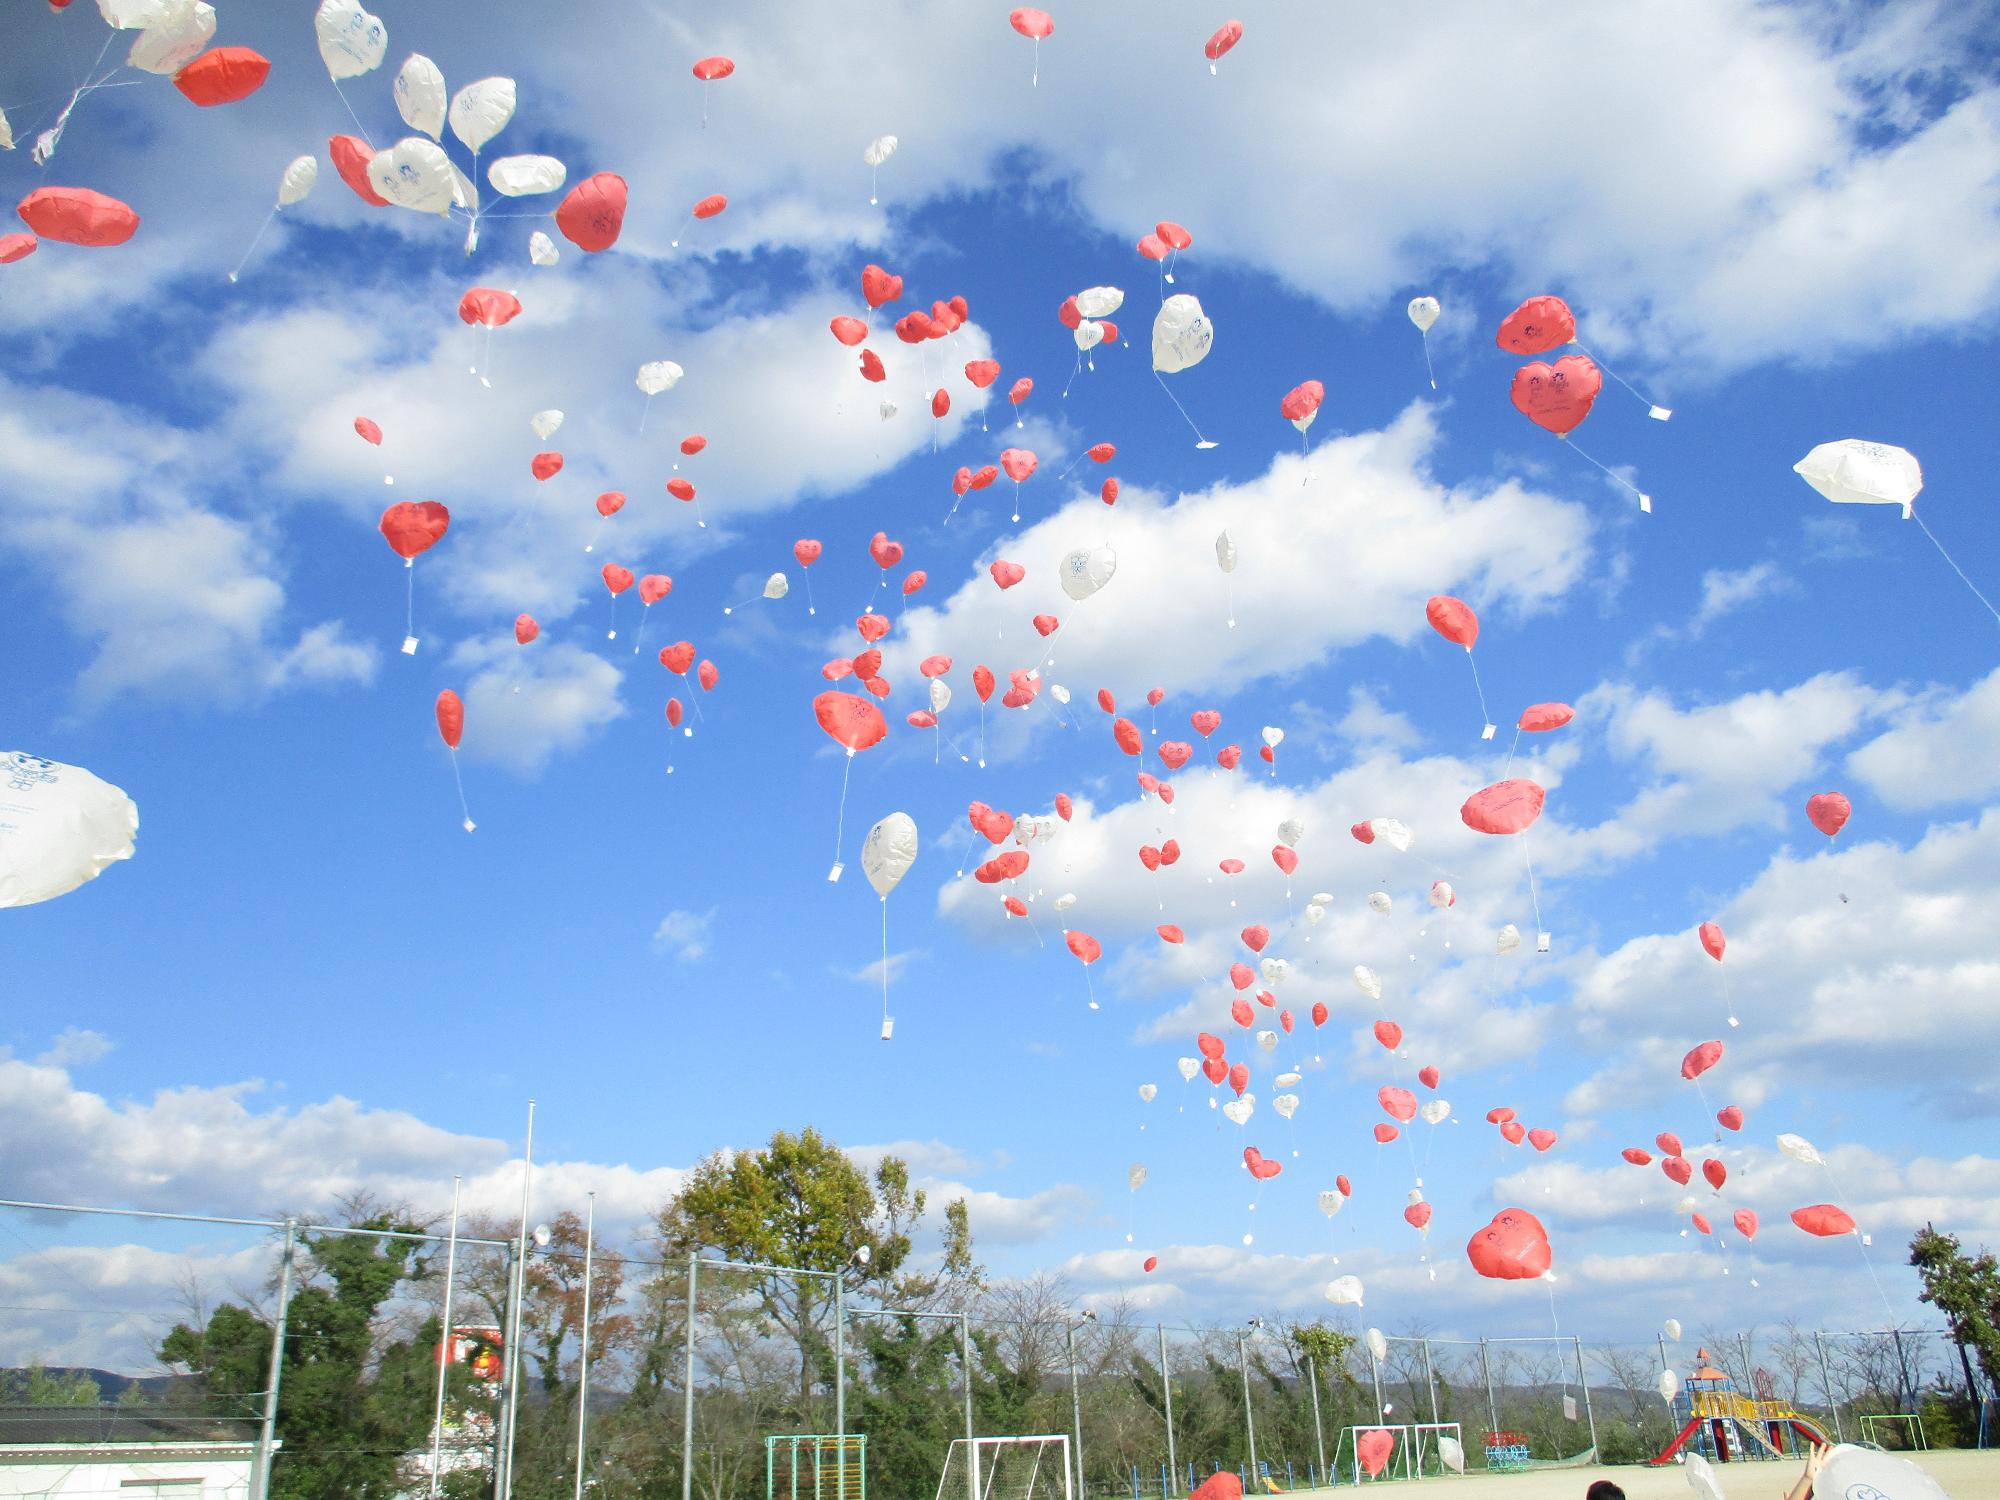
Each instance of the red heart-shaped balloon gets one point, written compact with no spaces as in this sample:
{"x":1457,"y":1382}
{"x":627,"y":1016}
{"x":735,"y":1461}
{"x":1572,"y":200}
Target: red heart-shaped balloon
{"x":546,"y":465}
{"x":1285,"y":1022}
{"x":1679,"y":1168}
{"x":995,"y":825}
{"x":1346,"y":1187}
{"x":610,"y":503}
{"x":835,"y":670}
{"x":1701,"y":1224}
{"x":1428,"y":1076}
{"x":1239,"y":1077}
{"x":678,"y":657}
{"x":707,"y":675}
{"x":850,"y":331}
{"x":1266,"y":999}
{"x":525,"y":629}
{"x":872,"y":627}
{"x":1228,"y":756}
{"x":616,"y":579}
{"x":654,"y":587}
{"x":878,"y":286}
{"x":1285,"y":857}
{"x":1206,"y":721}
{"x":1007,"y":574}
{"x":807,"y":551}
{"x":1230,"y":866}
{"x":1541,"y":1139}
{"x":1385,"y":1134}
{"x":1175,"y":753}
{"x":1106,"y":702}
{"x":1829,"y":812}
{"x":1260,"y":1168}
{"x":1537,"y":326}
{"x":1513,"y":1132}
{"x":1170,"y":851}
{"x":1108,"y":492}
{"x":680,"y":489}
{"x":1639,"y":1156}
{"x":867,"y":664}
{"x":1668,"y":1142}
{"x":1019,"y":463}
{"x":1254,"y":938}
{"x":1126,"y":733}
{"x":1557,"y":397}
{"x":1417,"y":1215}
{"x":412,"y":526}
{"x":1240,"y":1012}
{"x":1746,"y":1223}
{"x":1320,"y":1012}
{"x":1730,"y":1117}
{"x":1242,"y":976}
{"x":1149,"y":856}
{"x":1166,"y":794}
{"x":1047,"y":625}
{"x":1015,"y":906}
{"x":885,"y":552}
{"x":982,"y":682}
{"x":1215,"y":1069}
{"x":1374,"y":1448}
{"x":1399,"y":1103}
{"x":1715,"y":1172}
{"x":1499,"y":1115}
{"x":1208,"y":1045}
{"x":1389,"y":1034}
{"x":1170,"y":933}
{"x":1513,"y":1247}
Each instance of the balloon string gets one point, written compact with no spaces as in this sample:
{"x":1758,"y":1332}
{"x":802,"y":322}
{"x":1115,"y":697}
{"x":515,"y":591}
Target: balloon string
{"x":410,"y":598}
{"x":1534,"y":899}
{"x":1954,"y":566}
{"x":1510,"y":750}
{"x":254,"y":239}
{"x":806,"y":574}
{"x":1860,"y":1241}
{"x":1178,"y":407}
{"x":1485,"y":718}
{"x":694,"y":698}
{"x":1645,"y":500}
{"x":352,"y":115}
{"x":840,"y":824}
{"x":885,"y":962}
{"x":1655,"y":409}
{"x":1428,"y":370}
{"x":464,"y":811}
{"x":639,"y":640}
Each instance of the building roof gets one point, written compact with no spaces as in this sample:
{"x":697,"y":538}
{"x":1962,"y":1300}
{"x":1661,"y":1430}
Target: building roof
{"x":46,"y":1426}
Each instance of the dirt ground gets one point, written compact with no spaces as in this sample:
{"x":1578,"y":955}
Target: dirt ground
{"x":1965,"y":1475}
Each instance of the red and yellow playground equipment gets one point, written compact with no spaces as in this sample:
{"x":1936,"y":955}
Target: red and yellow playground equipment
{"x":1721,"y":1423}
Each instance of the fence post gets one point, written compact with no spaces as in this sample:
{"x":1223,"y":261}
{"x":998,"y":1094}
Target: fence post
{"x":1486,"y":1372}
{"x":1319,"y":1432}
{"x":1826,"y":1384}
{"x":262,"y":1489}
{"x":1583,"y":1379}
{"x":1430,"y":1378}
{"x":687,"y":1408}
{"x":1249,"y":1420}
{"x":1167,"y":1394}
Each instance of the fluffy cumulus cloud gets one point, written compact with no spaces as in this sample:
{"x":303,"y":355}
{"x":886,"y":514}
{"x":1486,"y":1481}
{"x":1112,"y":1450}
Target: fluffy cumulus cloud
{"x":1939,"y":753}
{"x":524,"y":705}
{"x":1329,"y":551}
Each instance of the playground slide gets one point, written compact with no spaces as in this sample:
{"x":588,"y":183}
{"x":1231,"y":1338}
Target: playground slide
{"x":1811,"y":1431}
{"x":1666,"y":1454}
{"x":1272,"y":1487}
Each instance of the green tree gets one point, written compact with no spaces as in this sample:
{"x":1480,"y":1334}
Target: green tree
{"x":1966,"y":1289}
{"x":227,"y":1358}
{"x":39,"y":1386}
{"x":801,"y":1202}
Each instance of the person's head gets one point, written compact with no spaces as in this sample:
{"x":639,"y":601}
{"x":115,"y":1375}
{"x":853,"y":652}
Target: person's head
{"x":1604,"y":1489}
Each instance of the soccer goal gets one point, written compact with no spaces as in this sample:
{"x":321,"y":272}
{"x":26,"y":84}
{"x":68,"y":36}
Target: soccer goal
{"x":1007,"y":1468}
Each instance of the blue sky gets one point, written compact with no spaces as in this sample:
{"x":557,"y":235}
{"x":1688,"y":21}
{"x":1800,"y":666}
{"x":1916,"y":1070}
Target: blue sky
{"x":203,"y":613}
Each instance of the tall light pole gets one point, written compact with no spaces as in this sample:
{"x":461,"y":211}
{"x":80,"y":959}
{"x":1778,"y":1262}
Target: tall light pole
{"x":857,"y":1261}
{"x":1075,"y":1394}
{"x":1254,"y":1326}
{"x":583,"y":1347}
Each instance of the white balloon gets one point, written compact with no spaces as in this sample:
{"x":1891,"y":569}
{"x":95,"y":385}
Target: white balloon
{"x":1268,"y":1040}
{"x":465,"y":195}
{"x":414,"y":174}
{"x":1435,"y":1111}
{"x":1451,"y":1453}
{"x":6,"y":133}
{"x":59,"y":826}
{"x":1284,"y":1104}
{"x":1240,"y":1110}
{"x":889,"y":851}
{"x":544,"y":423}
{"x":1273,"y":736}
{"x":420,"y":95}
{"x":542,"y":250}
{"x":1099,"y":301}
{"x":1701,"y":1478}
{"x":480,"y":111}
{"x":175,"y":40}
{"x":1088,"y":334}
{"x":1343,"y":1291}
{"x":1322,"y":898}
{"x":1290,"y":832}
{"x":1670,"y":1385}
{"x":525,"y":176}
{"x":1366,"y":981}
{"x":1442,"y":895}
{"x":1189,"y":1066}
{"x":1381,"y":901}
{"x":1182,"y":334}
{"x":777,"y":586}
{"x":1275,"y":971}
{"x":1225,"y":553}
{"x":130,"y":15}
{"x":886,"y":410}
{"x":1507,"y":939}
{"x":878,"y":151}
{"x":351,"y":42}
{"x":298,"y":180}
{"x":1377,"y":1345}
{"x":1315,"y":913}
{"x":1287,"y":1080}
{"x":1871,"y":1473}
{"x":656,"y":376}
{"x":1393,"y":833}
{"x":1084,"y":572}
{"x":940,"y":695}
{"x":1424,"y":312}
{"x":1147,"y":1091}
{"x":1058,"y":692}
{"x":1065,"y":901}
{"x":1672,"y":1329}
{"x":1855,"y":472}
{"x":1799,"y":1149}
{"x":1135,"y":1176}
{"x":1331,"y":1201}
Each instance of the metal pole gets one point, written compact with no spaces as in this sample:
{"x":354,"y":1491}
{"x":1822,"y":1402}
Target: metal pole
{"x":583,"y":1348}
{"x":262,"y":1488}
{"x":445,"y":1349}
{"x":1430,"y":1377}
{"x":1743,"y":1352}
{"x":1319,"y":1433}
{"x":1376,"y":1366}
{"x":965,"y":1361}
{"x":1486,"y":1372}
{"x":1902,"y":1372}
{"x":1075,"y":1403}
{"x":687,"y":1408}
{"x":1167,"y":1394}
{"x":513,"y":1352}
{"x":1589,"y":1413}
{"x":1826,"y":1384}
{"x":840,"y":1365}
{"x":146,"y":1213}
{"x":1249,"y":1419}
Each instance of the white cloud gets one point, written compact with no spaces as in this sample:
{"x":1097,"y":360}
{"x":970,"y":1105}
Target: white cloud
{"x":75,"y":1047}
{"x":1939,"y":752}
{"x":895,"y":964}
{"x":685,"y":934}
{"x":524,"y":704}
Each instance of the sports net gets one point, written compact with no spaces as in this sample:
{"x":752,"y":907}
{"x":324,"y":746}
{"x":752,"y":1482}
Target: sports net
{"x":1007,"y":1468}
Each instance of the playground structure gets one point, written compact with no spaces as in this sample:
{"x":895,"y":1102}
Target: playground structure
{"x":1721,"y":1423}
{"x":815,"y":1466}
{"x":1414,"y":1442}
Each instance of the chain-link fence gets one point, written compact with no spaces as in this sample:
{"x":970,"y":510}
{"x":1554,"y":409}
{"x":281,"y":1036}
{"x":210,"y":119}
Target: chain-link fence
{"x":666,"y":1404}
